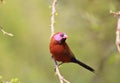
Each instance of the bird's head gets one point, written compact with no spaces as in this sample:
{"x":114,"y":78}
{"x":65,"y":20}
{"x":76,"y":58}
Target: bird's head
{"x":60,"y":37}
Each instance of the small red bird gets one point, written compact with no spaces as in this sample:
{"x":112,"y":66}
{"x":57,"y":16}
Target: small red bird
{"x":61,"y":52}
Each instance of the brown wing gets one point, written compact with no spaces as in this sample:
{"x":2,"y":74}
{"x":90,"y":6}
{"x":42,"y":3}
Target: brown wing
{"x":68,"y":51}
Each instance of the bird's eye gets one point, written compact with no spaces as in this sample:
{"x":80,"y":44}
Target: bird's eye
{"x":62,"y":35}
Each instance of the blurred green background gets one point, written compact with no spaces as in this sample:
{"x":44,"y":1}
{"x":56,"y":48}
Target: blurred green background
{"x":91,"y":31}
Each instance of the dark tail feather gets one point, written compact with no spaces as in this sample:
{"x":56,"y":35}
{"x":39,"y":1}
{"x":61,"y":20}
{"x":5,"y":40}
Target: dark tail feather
{"x":82,"y":64}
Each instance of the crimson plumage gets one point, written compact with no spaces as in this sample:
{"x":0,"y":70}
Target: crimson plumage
{"x":61,"y":52}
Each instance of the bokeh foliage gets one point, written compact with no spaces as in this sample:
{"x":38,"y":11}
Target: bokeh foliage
{"x":91,"y":31}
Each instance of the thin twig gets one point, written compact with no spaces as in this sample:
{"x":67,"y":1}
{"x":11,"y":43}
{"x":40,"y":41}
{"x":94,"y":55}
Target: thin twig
{"x":53,"y":16}
{"x":115,"y":13}
{"x":117,"y":30}
{"x":61,"y":78}
{"x":5,"y":33}
{"x":118,"y":35}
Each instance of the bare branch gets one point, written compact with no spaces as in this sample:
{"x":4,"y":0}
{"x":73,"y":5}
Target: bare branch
{"x":5,"y":33}
{"x":117,"y":30}
{"x":61,"y":78}
{"x":115,"y":13}
{"x":53,"y":16}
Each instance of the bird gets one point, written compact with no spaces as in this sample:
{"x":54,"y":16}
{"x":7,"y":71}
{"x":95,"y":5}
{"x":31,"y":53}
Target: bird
{"x":61,"y":52}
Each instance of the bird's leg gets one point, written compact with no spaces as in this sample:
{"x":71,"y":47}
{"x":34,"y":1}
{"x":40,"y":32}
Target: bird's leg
{"x":60,"y":64}
{"x":55,"y":63}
